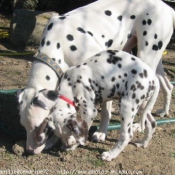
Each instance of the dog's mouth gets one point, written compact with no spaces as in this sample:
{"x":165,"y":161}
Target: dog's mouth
{"x":38,"y":103}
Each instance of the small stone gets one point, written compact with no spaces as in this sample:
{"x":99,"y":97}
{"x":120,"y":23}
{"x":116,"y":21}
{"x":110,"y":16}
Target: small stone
{"x":19,"y":147}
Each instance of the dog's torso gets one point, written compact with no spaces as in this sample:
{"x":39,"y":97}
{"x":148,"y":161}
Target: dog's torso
{"x":107,"y":25}
{"x":108,"y":75}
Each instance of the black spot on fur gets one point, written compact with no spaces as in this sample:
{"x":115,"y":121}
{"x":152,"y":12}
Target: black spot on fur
{"x":145,"y":73}
{"x":109,"y":43}
{"x":144,"y":22}
{"x":160,"y":44}
{"x":81,"y":30}
{"x":142,"y":97}
{"x":141,"y":75}
{"x":53,"y":59}
{"x":119,"y":65}
{"x":43,"y":42}
{"x":146,"y":43}
{"x":155,"y":36}
{"x":70,"y":37}
{"x":73,"y":48}
{"x":133,"y":87}
{"x":112,"y":52}
{"x":90,"y":33}
{"x":97,"y":55}
{"x":59,"y":61}
{"x":47,"y":77}
{"x":102,"y":36}
{"x":113,"y":79}
{"x":132,"y":16}
{"x":133,"y":95}
{"x":144,"y":33}
{"x":133,"y":71}
{"x":117,"y":85}
{"x":48,"y":43}
{"x":129,"y":130}
{"x":58,"y":45}
{"x":120,"y":18}
{"x":137,"y":101}
{"x":68,"y":105}
{"x":125,"y":75}
{"x":149,"y":21}
{"x":50,"y":26}
{"x":108,"y":13}
{"x":155,"y":47}
{"x":132,"y":58}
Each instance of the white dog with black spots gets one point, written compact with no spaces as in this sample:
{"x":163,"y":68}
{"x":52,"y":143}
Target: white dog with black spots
{"x":108,"y":75}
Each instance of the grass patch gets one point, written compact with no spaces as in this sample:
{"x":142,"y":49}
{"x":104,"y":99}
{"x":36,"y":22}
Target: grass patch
{"x":97,"y":162}
{"x":173,"y":133}
{"x":172,"y":154}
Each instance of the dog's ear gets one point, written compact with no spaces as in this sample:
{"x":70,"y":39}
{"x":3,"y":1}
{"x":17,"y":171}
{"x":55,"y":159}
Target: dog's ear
{"x":78,"y":128}
{"x":42,"y":132}
{"x":45,"y":99}
{"x":19,"y":94}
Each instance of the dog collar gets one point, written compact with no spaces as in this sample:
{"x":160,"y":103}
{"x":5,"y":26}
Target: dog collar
{"x":47,"y":60}
{"x":67,"y":100}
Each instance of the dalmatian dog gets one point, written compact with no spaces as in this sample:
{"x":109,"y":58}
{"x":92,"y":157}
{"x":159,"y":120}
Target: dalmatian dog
{"x":71,"y":38}
{"x":110,"y":74}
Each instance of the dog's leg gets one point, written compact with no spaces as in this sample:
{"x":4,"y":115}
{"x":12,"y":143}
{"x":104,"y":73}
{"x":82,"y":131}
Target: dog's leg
{"x":150,"y":126}
{"x":126,"y":132}
{"x":130,"y":44}
{"x":137,"y":126}
{"x":167,"y":88}
{"x":100,"y":135}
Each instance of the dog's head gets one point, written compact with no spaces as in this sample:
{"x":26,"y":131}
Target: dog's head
{"x":77,"y":127}
{"x":65,"y":123}
{"x":34,"y":107}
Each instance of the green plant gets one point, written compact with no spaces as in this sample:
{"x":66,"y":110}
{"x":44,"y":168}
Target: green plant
{"x":173,"y":133}
{"x":172,"y":154}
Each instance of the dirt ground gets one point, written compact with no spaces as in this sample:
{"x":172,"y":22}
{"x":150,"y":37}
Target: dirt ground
{"x":157,"y":159}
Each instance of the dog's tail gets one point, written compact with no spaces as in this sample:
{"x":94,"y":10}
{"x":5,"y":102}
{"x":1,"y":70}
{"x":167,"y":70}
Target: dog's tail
{"x":150,"y":104}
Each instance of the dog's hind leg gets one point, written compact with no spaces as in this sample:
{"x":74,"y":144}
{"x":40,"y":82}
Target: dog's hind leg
{"x":150,"y":126}
{"x":167,"y":88}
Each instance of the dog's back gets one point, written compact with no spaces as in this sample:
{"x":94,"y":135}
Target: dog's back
{"x":112,"y":74}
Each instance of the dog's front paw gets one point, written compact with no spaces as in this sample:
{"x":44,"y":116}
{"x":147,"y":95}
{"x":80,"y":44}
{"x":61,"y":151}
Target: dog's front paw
{"x":98,"y":137}
{"x":136,"y":127}
{"x":107,"y":156}
{"x":140,"y":144}
{"x":162,"y":113}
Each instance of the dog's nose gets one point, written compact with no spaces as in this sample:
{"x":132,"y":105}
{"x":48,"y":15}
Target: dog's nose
{"x":29,"y":152}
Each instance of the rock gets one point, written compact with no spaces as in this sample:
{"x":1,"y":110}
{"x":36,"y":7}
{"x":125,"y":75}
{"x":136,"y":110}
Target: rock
{"x":27,"y":27}
{"x":19,"y":147}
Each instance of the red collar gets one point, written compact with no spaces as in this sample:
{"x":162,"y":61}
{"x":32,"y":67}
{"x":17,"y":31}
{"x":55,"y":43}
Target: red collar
{"x":67,"y":100}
